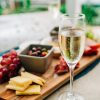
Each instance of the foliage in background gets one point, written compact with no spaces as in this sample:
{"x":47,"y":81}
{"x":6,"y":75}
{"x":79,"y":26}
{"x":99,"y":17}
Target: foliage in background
{"x":63,"y":8}
{"x":92,"y":13}
{"x":89,"y":12}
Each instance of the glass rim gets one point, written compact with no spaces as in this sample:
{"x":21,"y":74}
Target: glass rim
{"x":77,"y":16}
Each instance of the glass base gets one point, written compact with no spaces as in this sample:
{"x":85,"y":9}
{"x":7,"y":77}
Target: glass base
{"x":67,"y":96}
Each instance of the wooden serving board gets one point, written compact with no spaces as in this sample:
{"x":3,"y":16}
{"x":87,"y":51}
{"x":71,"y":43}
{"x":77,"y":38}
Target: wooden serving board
{"x":53,"y":81}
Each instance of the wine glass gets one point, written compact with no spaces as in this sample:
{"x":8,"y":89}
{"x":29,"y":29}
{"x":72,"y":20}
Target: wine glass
{"x":71,"y":41}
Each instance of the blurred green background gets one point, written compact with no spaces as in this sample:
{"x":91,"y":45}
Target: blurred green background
{"x":90,"y":9}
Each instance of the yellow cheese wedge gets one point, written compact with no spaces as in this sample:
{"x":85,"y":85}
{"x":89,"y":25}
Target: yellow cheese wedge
{"x":15,"y":87}
{"x":33,"y":89}
{"x":20,"y":81}
{"x":34,"y":78}
{"x":26,"y":74}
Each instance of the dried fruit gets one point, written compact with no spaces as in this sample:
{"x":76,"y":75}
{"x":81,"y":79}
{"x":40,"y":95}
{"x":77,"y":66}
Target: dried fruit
{"x":62,"y":67}
{"x":91,"y":48}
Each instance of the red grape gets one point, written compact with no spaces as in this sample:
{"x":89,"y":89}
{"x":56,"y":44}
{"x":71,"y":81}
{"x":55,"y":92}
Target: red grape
{"x":1,"y":69}
{"x":13,"y":52}
{"x":8,"y":61}
{"x":12,"y":66}
{"x":3,"y":62}
{"x":4,"y":70}
{"x":12,"y":57}
{"x":16,"y":61}
{"x":6,"y":55}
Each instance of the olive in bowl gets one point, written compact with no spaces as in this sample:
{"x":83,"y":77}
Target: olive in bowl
{"x":36,"y":57}
{"x":38,"y":51}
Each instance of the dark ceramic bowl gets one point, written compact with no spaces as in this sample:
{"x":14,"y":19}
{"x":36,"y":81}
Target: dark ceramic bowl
{"x":34,"y":63}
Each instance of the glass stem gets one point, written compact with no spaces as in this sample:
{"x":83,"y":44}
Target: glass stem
{"x":71,"y":79}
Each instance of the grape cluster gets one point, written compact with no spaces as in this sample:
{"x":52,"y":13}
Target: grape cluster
{"x":9,"y":66}
{"x":38,"y":51}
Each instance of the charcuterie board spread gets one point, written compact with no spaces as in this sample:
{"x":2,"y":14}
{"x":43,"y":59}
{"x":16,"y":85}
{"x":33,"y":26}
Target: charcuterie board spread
{"x":43,"y":85}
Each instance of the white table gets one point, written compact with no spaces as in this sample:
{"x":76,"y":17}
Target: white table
{"x":15,"y":29}
{"x":87,"y":85}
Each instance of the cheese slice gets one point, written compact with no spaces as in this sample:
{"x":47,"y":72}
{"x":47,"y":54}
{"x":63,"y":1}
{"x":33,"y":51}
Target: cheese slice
{"x":29,"y":75}
{"x":15,"y":87}
{"x":20,"y":81}
{"x":33,"y":89}
{"x":34,"y":78}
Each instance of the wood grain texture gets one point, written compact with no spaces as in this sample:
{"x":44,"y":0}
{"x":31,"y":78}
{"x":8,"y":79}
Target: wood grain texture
{"x":52,"y":81}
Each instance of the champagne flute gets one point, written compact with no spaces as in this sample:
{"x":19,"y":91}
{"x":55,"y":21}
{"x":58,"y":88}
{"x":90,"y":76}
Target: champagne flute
{"x":71,"y":41}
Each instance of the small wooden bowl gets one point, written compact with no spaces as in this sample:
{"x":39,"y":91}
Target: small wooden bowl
{"x":34,"y":63}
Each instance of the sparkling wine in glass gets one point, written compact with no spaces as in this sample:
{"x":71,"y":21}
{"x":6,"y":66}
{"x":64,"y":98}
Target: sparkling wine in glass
{"x":71,"y":41}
